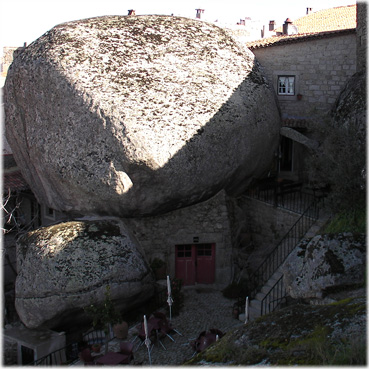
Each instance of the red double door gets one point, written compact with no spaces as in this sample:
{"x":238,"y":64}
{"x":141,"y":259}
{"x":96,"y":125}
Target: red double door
{"x":195,"y":263}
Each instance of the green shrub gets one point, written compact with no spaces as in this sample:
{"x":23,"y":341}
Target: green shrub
{"x":348,"y":221}
{"x":348,"y":352}
{"x":236,"y":290}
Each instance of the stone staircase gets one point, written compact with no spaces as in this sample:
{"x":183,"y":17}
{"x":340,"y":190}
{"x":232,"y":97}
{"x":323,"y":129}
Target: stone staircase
{"x":255,"y":305}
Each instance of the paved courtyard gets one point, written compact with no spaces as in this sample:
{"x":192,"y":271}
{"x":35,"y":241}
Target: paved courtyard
{"x":204,"y":308}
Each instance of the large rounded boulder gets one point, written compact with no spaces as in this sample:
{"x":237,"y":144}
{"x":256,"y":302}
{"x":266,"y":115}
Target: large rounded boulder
{"x":65,"y":267}
{"x":325,"y":264}
{"x":134,"y":116}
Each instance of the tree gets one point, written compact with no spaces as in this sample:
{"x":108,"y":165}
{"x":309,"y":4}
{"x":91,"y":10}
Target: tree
{"x":340,"y":164}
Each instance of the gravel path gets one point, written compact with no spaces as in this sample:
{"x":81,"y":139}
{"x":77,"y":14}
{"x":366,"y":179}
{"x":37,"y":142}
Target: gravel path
{"x":204,"y":308}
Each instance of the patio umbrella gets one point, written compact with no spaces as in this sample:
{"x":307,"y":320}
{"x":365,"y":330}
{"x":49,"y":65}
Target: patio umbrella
{"x":147,"y":339}
{"x":170,"y":300}
{"x":247,"y":310}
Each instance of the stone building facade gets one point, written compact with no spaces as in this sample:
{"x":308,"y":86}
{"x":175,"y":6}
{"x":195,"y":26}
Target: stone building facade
{"x":320,"y":66}
{"x":191,"y":228}
{"x":308,"y":71}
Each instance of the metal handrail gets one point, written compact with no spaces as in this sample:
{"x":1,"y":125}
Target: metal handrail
{"x":280,"y":252}
{"x":64,"y":356}
{"x":277,"y":293}
{"x":69,"y":353}
{"x":289,"y":197}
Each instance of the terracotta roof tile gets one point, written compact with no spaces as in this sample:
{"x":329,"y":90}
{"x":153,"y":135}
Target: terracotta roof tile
{"x":285,"y":39}
{"x":342,"y":17}
{"x":324,"y":23}
{"x":14,"y":181}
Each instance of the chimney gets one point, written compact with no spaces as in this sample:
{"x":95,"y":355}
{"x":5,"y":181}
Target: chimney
{"x":198,"y":13}
{"x":131,"y":12}
{"x":271,"y":25}
{"x":287,"y":26}
{"x":309,"y":10}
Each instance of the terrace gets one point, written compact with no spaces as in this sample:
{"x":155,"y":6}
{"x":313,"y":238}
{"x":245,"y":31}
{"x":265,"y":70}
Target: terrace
{"x":203,"y":308}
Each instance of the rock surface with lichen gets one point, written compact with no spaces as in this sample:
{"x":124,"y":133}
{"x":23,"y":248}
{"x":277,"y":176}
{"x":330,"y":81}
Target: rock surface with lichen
{"x":64,"y":267}
{"x":325,"y":264}
{"x":133,"y":116}
{"x":332,"y":334}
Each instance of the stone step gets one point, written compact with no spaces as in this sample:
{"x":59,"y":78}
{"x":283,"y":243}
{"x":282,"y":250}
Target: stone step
{"x":255,"y":304}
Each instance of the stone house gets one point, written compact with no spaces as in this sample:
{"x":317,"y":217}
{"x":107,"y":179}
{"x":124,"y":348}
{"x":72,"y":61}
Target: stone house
{"x":308,"y":62}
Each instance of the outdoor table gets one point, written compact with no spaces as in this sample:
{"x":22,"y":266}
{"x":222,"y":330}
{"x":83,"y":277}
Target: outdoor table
{"x":111,"y":358}
{"x":206,"y":341}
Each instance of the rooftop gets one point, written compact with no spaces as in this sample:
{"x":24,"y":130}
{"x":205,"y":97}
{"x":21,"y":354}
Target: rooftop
{"x":14,"y":181}
{"x":323,"y":23}
{"x":339,"y":18}
{"x":289,"y":39}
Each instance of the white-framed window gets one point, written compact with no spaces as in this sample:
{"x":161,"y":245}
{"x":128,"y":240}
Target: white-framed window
{"x":286,"y":85}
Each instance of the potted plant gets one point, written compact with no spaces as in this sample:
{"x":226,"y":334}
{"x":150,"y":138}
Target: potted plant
{"x":158,"y":266}
{"x":96,"y":347}
{"x":104,"y":316}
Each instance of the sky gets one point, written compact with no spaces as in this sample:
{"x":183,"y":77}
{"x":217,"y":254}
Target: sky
{"x":25,"y":20}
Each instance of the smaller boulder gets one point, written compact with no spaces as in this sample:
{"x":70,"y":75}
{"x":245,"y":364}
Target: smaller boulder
{"x":324,"y":264}
{"x":65,"y":267}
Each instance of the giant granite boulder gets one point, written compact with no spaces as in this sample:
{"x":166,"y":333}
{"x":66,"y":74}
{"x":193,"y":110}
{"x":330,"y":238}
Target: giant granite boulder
{"x":138,"y":115}
{"x":325,"y":264}
{"x":64,"y":267}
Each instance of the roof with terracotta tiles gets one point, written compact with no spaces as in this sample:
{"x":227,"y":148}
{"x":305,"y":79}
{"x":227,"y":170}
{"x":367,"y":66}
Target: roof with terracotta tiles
{"x":323,"y":23}
{"x":342,"y":17}
{"x":14,"y":181}
{"x":282,"y":40}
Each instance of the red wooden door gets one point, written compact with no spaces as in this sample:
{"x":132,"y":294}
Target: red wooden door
{"x":185,"y":264}
{"x":195,"y":263}
{"x":205,"y":263}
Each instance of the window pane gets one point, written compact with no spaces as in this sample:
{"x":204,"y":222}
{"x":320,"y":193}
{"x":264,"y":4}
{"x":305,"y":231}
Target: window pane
{"x":286,"y":85}
{"x":291,"y":81}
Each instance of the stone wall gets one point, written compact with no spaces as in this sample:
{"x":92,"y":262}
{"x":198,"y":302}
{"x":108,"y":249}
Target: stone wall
{"x":362,"y":36}
{"x":208,"y":222}
{"x":244,"y":231}
{"x":266,"y":225}
{"x":321,"y":68}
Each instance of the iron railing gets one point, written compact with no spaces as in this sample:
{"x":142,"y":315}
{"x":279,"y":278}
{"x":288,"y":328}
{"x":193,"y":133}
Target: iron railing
{"x":64,"y":356}
{"x":273,"y":298}
{"x":70,"y":353}
{"x":287,"y":196}
{"x":280,"y":252}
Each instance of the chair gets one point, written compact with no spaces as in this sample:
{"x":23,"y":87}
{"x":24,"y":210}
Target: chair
{"x":165,"y":327}
{"x":126,"y":348}
{"x":86,"y":357}
{"x":205,"y":339}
